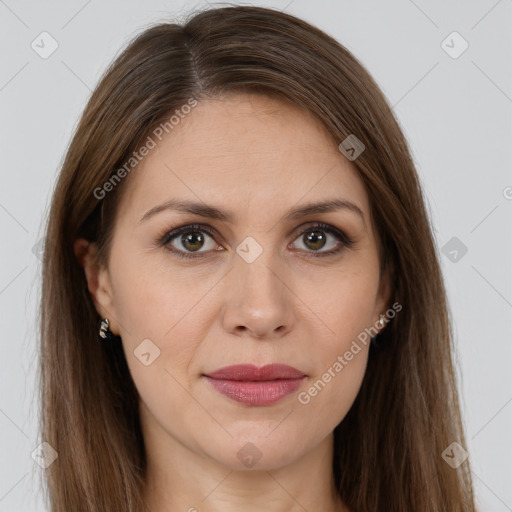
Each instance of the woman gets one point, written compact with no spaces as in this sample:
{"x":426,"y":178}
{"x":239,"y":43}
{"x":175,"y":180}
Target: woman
{"x":242,"y":304}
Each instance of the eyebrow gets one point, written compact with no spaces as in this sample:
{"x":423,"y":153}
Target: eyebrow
{"x":208,"y":211}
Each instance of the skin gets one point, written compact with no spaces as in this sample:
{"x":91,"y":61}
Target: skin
{"x":257,"y":158}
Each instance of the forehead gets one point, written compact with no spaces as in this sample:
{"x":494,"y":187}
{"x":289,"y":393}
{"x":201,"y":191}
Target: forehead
{"x":245,"y":151}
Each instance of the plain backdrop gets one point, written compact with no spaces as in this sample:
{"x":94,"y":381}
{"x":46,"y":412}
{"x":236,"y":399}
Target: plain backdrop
{"x":454,"y":104}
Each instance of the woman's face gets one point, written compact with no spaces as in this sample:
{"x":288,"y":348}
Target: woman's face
{"x":246,"y":289}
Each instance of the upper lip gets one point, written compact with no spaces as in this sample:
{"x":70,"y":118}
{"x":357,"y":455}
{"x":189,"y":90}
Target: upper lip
{"x":250,"y":372}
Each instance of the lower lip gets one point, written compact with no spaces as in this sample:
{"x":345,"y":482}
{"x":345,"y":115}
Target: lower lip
{"x":256,"y":393}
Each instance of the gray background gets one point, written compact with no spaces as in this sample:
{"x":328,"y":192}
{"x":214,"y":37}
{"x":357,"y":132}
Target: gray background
{"x":456,"y":113}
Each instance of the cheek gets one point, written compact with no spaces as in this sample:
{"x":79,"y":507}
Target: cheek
{"x":325,"y":402}
{"x":155,"y":308}
{"x":151,"y":299}
{"x":343,"y":301}
{"x":346,"y":307}
{"x":340,"y":369}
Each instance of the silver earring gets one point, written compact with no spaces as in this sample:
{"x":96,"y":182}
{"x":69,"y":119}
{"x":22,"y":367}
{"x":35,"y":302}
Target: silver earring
{"x":104,"y":332}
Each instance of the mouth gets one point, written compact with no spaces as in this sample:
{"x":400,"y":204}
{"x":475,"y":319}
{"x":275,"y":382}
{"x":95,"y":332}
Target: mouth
{"x":255,"y":386}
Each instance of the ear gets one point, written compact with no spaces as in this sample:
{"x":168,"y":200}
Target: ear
{"x":98,"y":280}
{"x":382,"y":303}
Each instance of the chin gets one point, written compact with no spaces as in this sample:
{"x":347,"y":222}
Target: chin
{"x":264,"y":451}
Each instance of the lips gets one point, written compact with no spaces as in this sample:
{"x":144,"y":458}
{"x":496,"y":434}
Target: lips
{"x":255,"y":386}
{"x":249,"y":372}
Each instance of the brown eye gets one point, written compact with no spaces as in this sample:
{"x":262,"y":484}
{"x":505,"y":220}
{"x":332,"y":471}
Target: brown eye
{"x":188,"y":240}
{"x":322,"y":236}
{"x":314,"y":239}
{"x":192,"y":241}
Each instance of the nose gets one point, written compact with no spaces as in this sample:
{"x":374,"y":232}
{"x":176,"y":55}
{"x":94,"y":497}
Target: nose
{"x":258,"y":303}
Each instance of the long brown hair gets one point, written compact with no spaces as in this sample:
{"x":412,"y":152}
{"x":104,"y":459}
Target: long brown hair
{"x":388,"y":449}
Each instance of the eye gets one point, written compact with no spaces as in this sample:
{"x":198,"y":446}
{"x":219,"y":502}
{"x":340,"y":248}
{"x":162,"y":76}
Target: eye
{"x":192,"y":241}
{"x":188,"y":241}
{"x":315,"y":237}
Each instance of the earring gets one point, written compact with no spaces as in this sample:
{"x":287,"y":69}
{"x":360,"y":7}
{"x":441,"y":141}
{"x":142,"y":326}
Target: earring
{"x":104,"y":332}
{"x":376,"y":341}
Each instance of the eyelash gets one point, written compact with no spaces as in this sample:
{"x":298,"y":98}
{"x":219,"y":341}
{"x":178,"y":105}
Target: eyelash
{"x":171,"y":235}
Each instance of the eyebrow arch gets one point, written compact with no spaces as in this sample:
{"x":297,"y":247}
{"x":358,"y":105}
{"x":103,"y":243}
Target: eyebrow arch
{"x":204,"y":210}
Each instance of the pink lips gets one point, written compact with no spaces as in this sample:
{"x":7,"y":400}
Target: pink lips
{"x":251,"y":385}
